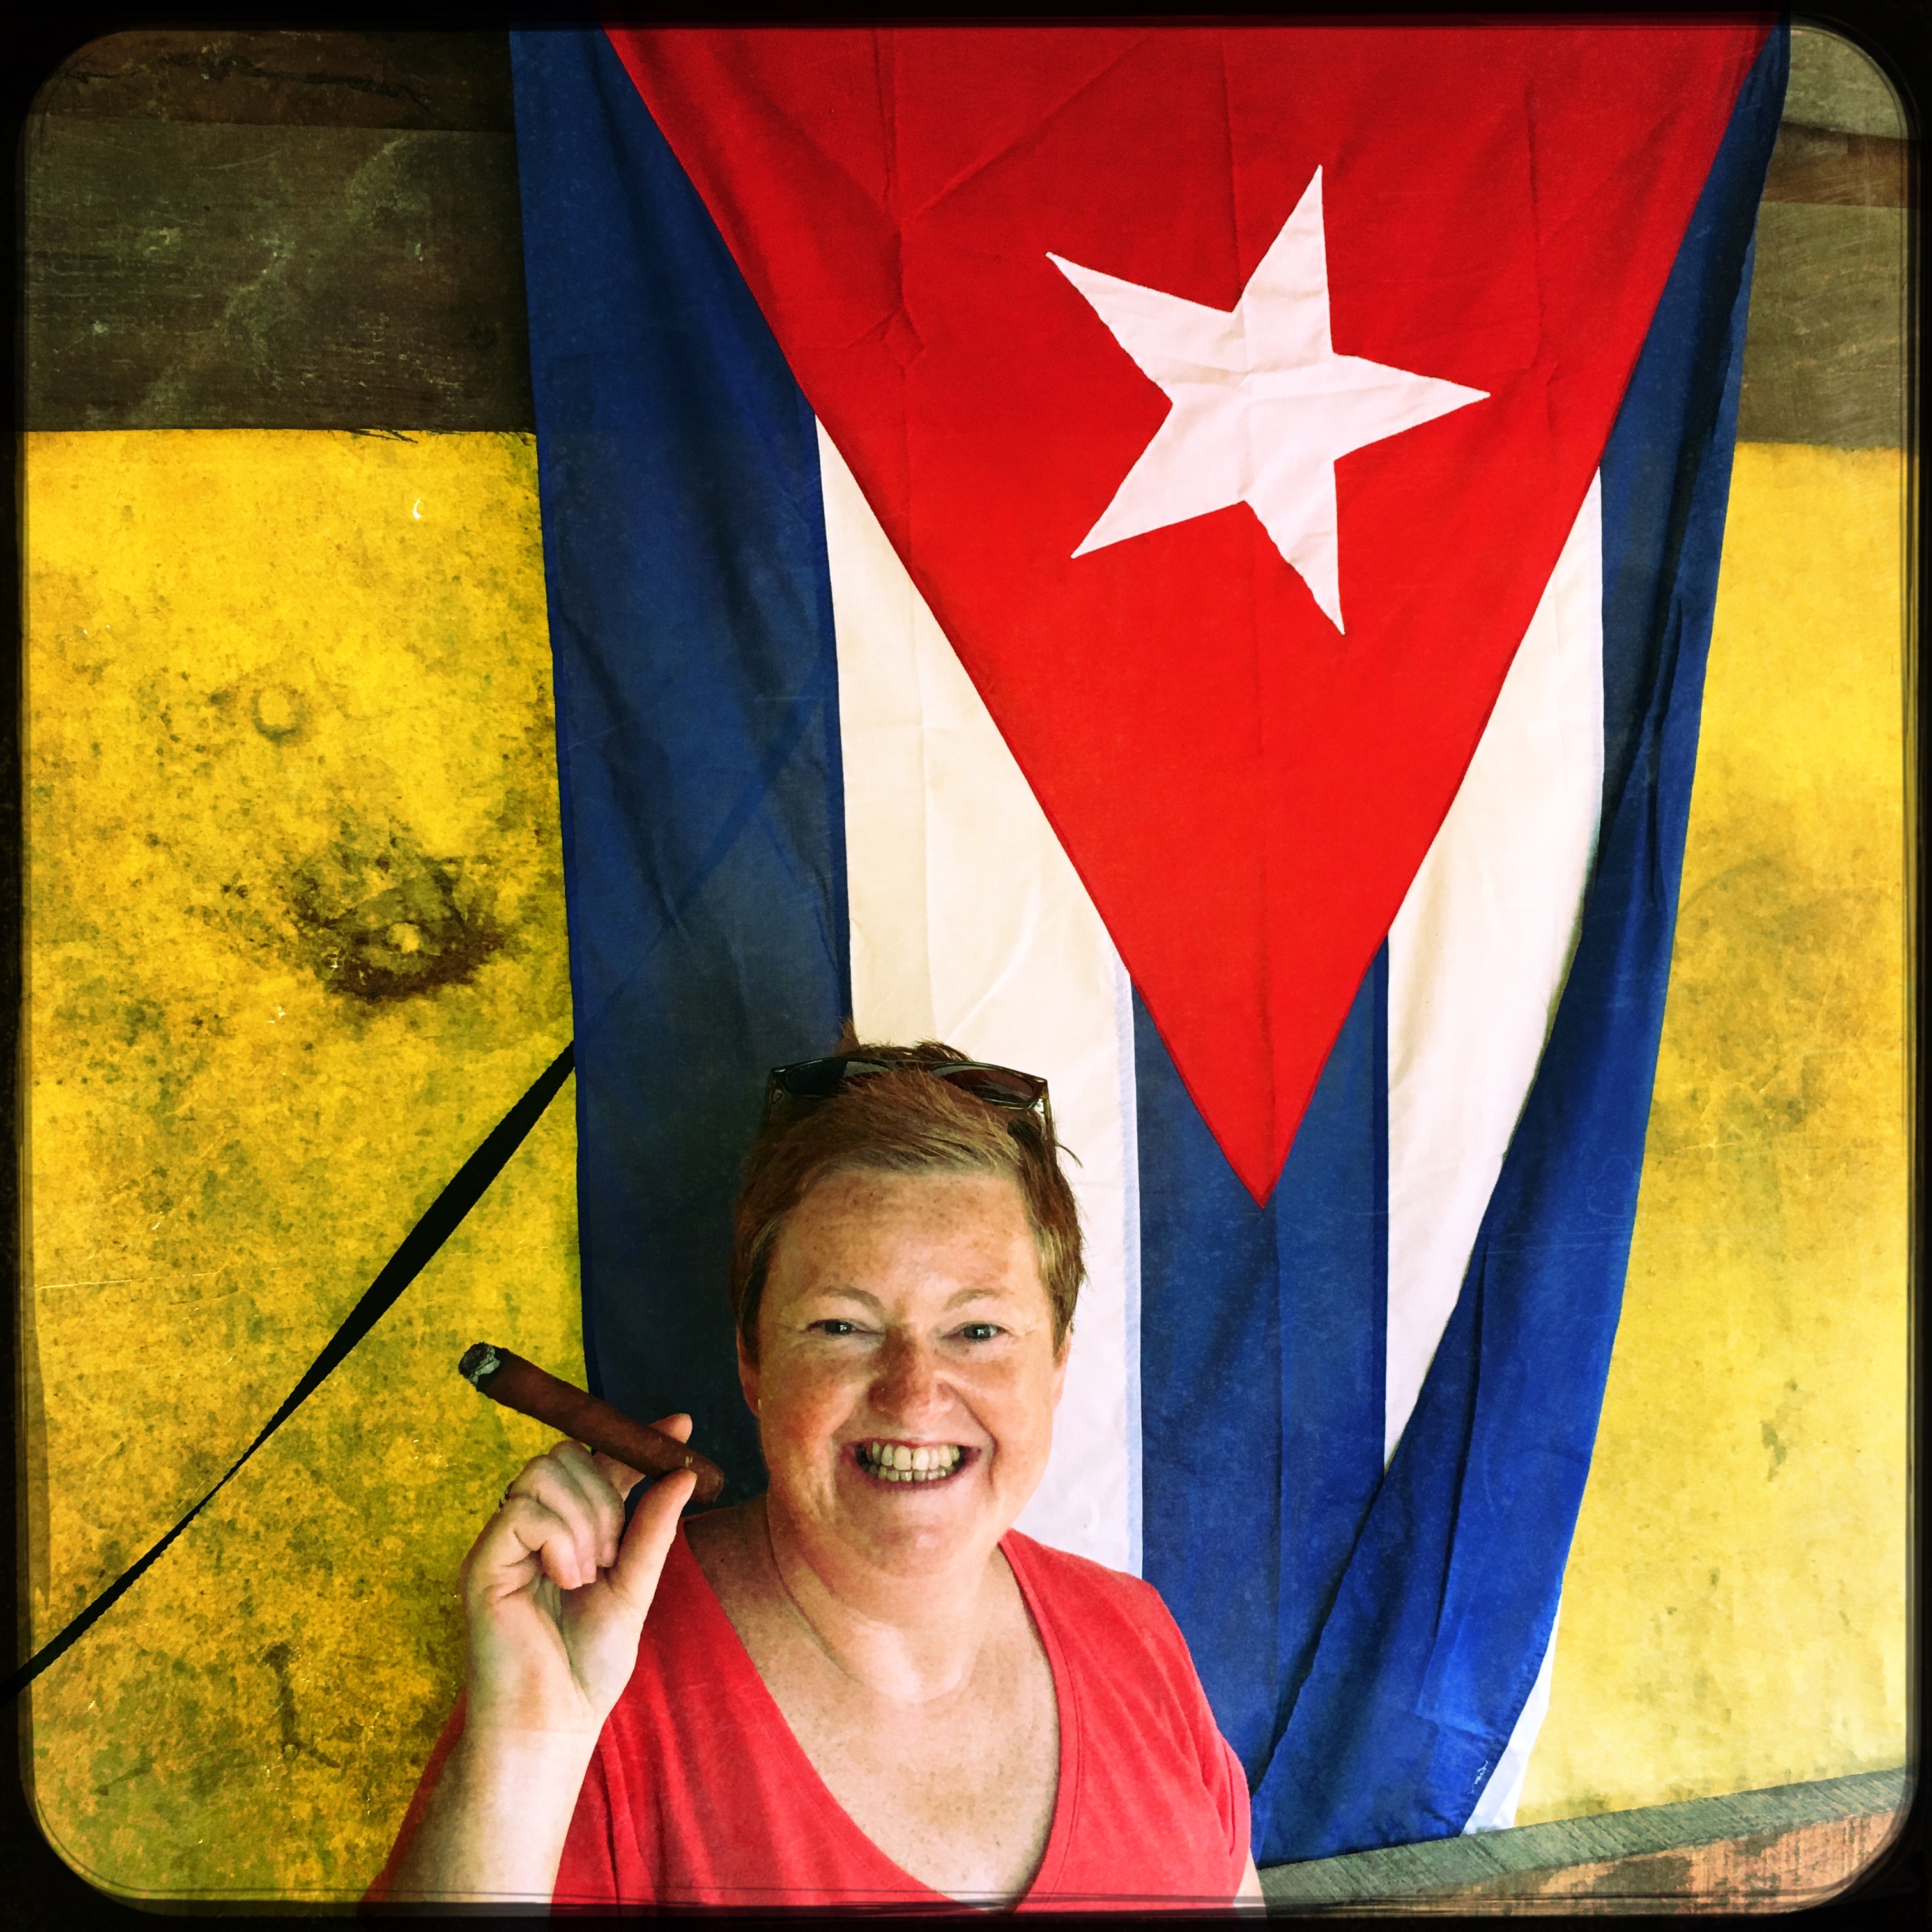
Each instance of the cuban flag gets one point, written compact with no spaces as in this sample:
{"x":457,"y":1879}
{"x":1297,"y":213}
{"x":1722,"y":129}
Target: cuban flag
{"x":1179,"y":560}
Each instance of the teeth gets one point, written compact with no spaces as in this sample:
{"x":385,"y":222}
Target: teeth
{"x":898,"y":1462}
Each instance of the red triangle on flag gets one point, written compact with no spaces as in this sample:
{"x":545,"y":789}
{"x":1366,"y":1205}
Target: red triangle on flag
{"x":1054,"y":291}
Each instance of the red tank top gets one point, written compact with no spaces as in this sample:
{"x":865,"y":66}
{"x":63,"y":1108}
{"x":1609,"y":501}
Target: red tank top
{"x":699,"y":1794}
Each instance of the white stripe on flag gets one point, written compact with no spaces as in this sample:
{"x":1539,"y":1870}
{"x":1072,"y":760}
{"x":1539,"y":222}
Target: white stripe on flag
{"x":970,"y":925}
{"x":1478,"y":953}
{"x":1477,"y":957}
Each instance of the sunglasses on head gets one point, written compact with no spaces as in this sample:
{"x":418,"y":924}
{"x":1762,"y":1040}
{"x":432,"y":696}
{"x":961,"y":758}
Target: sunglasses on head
{"x":819,"y":1079}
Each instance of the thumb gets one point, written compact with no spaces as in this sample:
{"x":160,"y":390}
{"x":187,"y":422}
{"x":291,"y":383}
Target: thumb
{"x":640,"y":1557}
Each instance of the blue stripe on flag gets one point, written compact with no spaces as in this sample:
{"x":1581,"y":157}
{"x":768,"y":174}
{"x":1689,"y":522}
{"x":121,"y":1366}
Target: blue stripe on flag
{"x":1262,"y":1357}
{"x":1448,"y":1606}
{"x":697,"y":725}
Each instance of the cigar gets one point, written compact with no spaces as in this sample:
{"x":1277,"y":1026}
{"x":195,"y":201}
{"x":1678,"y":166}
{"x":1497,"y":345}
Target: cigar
{"x":505,"y":1377}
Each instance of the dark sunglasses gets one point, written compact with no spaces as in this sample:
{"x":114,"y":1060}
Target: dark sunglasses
{"x":819,"y":1079}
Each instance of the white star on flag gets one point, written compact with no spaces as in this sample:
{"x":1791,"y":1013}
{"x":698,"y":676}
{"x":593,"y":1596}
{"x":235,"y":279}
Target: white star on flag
{"x":1263,"y":406}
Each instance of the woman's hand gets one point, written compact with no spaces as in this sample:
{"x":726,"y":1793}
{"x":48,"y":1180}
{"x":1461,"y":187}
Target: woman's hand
{"x":556,"y":1589}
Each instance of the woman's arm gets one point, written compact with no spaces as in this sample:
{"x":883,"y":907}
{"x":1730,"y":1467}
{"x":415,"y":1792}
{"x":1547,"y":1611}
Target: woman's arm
{"x":555,"y":1590}
{"x":496,"y":1825}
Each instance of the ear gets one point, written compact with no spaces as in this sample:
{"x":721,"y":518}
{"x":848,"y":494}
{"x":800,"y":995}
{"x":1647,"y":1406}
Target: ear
{"x":748,"y":1374}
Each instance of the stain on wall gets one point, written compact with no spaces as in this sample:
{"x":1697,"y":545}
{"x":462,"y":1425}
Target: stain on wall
{"x":1734,"y":1611}
{"x":297,"y":942}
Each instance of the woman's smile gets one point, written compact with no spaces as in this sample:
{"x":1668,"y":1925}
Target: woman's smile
{"x":898,"y":1464}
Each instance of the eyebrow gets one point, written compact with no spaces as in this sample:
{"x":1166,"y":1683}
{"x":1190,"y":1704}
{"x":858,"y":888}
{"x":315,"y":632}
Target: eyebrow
{"x":845,"y":1294}
{"x":959,"y":1300}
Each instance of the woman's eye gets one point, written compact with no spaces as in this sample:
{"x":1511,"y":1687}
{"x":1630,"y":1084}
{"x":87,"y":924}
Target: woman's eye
{"x":979,"y":1331}
{"x":832,"y":1325}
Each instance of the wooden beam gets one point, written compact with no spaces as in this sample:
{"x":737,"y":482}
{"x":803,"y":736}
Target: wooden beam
{"x":1788,"y":1846}
{"x":296,"y":231}
{"x":450,"y":81}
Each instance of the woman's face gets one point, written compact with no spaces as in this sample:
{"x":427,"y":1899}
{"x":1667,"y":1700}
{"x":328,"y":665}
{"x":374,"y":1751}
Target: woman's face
{"x":904,"y":1319}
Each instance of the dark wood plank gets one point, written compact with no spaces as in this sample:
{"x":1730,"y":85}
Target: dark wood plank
{"x":1785,"y":1844}
{"x":1824,"y":351}
{"x":1827,"y":165}
{"x":1825,"y":345}
{"x":445,"y":82}
{"x":276,"y":230}
{"x":205,"y":275}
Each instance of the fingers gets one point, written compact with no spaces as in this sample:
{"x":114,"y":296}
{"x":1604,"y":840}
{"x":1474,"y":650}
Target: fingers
{"x":648,"y":1541}
{"x":621,"y":1477}
{"x":566,"y":1511}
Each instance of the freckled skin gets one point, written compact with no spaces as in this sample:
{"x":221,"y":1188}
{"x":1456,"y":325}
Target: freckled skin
{"x":908,"y":1309}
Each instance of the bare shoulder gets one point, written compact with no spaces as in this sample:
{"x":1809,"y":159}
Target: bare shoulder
{"x":722,"y":1550}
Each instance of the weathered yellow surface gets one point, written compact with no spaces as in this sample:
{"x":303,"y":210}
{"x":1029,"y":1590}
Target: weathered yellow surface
{"x":1734,"y":1612}
{"x":296,"y":944}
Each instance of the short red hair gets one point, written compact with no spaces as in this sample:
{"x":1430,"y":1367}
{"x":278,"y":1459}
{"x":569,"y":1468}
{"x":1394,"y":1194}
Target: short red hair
{"x":902,"y":1123}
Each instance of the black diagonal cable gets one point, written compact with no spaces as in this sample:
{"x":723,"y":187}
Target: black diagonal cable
{"x":445,"y":1215}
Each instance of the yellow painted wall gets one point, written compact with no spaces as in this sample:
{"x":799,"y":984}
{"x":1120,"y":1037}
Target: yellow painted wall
{"x":1734,"y":1612}
{"x":297,"y":942}
{"x":255,"y":672}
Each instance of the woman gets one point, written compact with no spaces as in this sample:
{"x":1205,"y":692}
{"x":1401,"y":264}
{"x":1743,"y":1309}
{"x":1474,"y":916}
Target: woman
{"x":863,"y":1686}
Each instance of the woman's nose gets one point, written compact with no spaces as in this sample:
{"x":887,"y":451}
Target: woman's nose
{"x":908,"y":1380}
